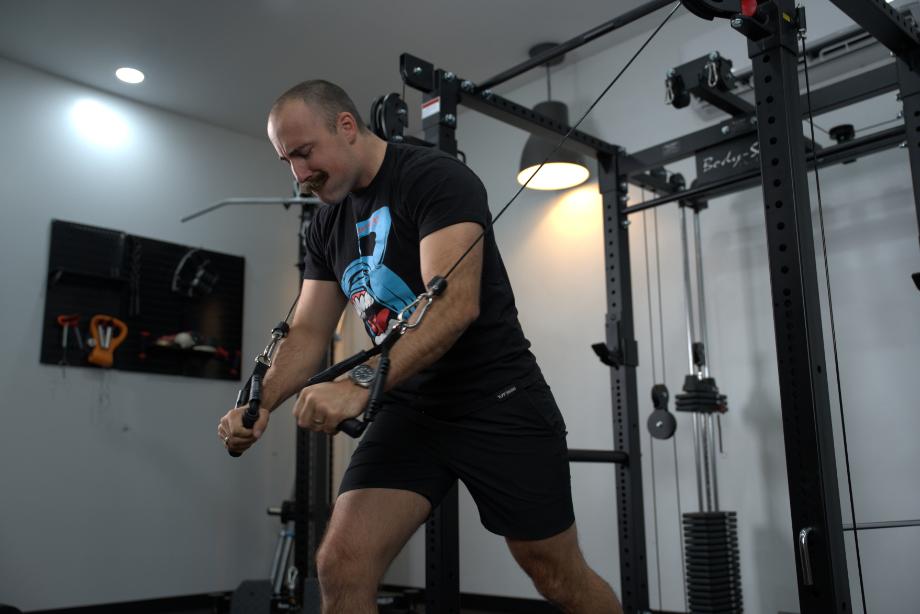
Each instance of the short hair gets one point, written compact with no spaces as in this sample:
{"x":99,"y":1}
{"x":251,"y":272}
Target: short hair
{"x":328,"y":97}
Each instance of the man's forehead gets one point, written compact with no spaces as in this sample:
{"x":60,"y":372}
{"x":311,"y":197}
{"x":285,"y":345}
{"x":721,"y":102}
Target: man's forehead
{"x":296,"y":112}
{"x":290,"y":123}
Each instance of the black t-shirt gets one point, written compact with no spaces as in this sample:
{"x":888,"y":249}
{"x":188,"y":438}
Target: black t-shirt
{"x":369,"y":243}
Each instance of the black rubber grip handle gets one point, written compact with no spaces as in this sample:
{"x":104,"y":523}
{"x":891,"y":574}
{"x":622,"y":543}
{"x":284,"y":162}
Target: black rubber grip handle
{"x":250,"y":416}
{"x":353,"y":427}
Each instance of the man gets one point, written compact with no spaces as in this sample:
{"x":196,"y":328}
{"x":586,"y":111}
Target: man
{"x":465,"y":396}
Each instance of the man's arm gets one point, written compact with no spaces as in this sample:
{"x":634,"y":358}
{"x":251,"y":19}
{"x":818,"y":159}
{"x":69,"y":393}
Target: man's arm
{"x":324,"y":406}
{"x":451,"y":313}
{"x":299,"y":356}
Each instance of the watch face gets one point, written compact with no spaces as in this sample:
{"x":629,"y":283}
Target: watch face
{"x":362,"y":375}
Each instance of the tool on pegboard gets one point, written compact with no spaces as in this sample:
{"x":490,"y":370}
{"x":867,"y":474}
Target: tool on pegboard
{"x":101,"y":328}
{"x":68,"y":322}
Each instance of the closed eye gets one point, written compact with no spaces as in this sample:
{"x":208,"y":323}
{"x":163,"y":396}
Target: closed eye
{"x":303,"y":151}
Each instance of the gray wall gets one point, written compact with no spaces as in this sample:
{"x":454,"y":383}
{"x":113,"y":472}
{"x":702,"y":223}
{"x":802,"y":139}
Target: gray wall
{"x":114,"y":485}
{"x":553,"y":247}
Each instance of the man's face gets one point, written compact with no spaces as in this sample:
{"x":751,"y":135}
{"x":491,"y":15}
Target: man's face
{"x":322,"y":160}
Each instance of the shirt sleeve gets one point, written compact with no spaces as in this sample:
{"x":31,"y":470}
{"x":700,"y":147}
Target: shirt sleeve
{"x":316,"y":264}
{"x":443,"y":193}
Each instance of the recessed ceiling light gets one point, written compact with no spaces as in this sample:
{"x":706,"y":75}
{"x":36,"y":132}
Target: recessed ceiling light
{"x":129,"y":75}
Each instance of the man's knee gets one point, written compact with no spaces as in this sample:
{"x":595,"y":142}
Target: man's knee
{"x":343,"y":566}
{"x":553,"y":580}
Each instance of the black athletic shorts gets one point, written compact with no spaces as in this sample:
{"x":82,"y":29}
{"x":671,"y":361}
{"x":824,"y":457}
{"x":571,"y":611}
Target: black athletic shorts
{"x":509,"y":450}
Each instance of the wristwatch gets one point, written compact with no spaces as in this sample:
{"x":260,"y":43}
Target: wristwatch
{"x":363,"y":375}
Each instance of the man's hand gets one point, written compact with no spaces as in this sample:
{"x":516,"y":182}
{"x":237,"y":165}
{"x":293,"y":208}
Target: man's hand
{"x":235,"y":436}
{"x":322,"y":407}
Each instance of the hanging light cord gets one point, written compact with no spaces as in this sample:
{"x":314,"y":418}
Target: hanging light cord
{"x":830,"y":307}
{"x":488,"y":227}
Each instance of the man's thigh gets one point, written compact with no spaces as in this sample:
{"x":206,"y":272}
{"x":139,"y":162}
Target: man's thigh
{"x":370,"y":526}
{"x":513,"y":458}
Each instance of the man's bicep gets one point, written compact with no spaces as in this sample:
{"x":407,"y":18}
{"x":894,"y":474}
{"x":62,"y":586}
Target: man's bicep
{"x":442,"y":248}
{"x":319,"y":307}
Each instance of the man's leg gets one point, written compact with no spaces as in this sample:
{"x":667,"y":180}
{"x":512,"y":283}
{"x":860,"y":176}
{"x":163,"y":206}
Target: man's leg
{"x":561,"y":574}
{"x":367,"y":530}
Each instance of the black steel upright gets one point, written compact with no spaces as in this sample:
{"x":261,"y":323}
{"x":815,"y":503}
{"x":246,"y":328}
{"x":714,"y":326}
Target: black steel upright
{"x":626,"y":424}
{"x":442,"y":531}
{"x":313,"y":472}
{"x":311,"y":499}
{"x":910,"y":96}
{"x":817,"y":532}
{"x":888,"y":25}
{"x":442,"y":552}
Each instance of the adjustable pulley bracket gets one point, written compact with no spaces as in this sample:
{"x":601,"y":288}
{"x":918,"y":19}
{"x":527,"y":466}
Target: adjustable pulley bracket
{"x":626,"y":354}
{"x":709,"y":78}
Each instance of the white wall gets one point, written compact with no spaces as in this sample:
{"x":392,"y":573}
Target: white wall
{"x":133,"y":497}
{"x":553,"y":248}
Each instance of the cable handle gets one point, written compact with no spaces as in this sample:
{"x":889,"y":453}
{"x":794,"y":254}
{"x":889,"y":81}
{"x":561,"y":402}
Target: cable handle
{"x":251,"y":415}
{"x":251,"y":393}
{"x":354,"y":427}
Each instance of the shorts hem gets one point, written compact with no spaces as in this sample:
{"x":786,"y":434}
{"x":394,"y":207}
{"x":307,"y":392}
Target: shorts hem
{"x":350,"y":487}
{"x":530,"y":535}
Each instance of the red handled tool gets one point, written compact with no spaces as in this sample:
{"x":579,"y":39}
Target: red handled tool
{"x":68,"y":321}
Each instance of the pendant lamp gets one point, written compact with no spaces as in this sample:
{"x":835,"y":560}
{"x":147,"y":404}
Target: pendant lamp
{"x":564,"y":168}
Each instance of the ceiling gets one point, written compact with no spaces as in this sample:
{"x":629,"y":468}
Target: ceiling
{"x":224,"y":62}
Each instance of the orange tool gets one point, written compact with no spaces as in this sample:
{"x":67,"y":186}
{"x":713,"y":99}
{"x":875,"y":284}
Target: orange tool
{"x":100,"y":327}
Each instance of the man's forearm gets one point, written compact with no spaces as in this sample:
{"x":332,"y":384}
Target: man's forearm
{"x":299,"y":357}
{"x":420,"y":347}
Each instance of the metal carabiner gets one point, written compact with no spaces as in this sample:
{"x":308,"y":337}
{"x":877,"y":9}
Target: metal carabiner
{"x":421,"y":314}
{"x":278,"y":333}
{"x":435,"y":287}
{"x":712,"y":74}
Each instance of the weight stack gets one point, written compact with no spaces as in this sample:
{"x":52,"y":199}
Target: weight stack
{"x":713,"y":564}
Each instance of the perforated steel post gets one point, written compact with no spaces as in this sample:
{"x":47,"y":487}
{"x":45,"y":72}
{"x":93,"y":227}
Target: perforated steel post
{"x":626,"y":423}
{"x":807,"y":429}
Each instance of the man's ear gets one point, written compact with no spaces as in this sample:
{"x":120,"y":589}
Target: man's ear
{"x":347,"y":124}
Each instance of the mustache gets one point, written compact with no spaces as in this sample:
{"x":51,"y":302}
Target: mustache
{"x":314,"y":183}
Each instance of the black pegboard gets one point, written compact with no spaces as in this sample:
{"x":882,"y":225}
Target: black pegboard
{"x":95,"y":270}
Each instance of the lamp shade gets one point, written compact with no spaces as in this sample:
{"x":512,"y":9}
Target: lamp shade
{"x":565,"y":169}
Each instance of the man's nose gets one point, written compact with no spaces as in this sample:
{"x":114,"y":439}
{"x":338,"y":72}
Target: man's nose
{"x":300,"y":170}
